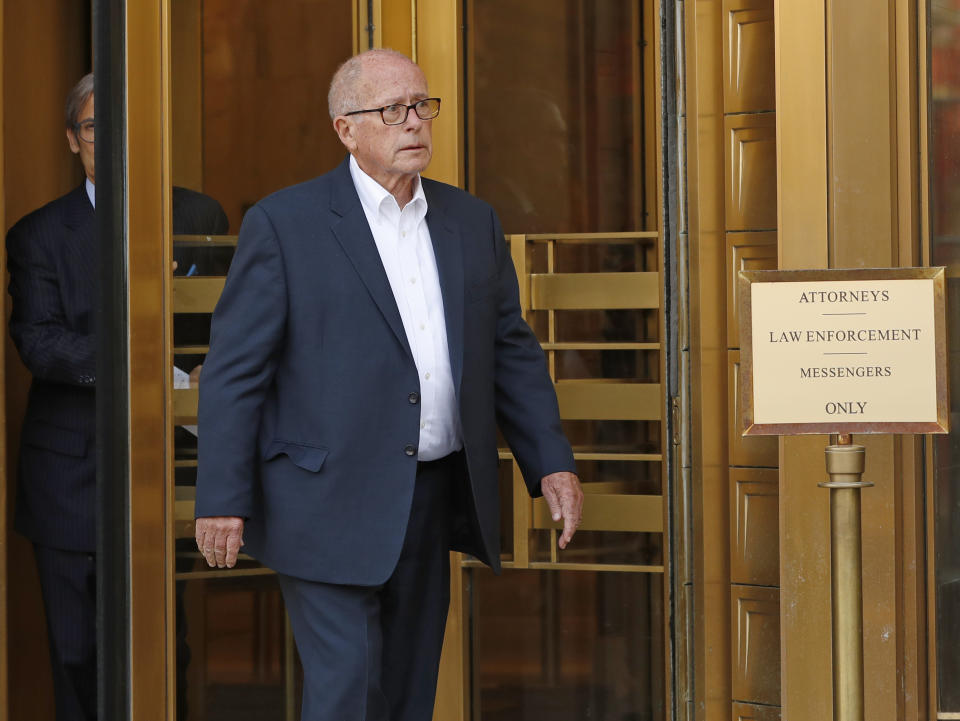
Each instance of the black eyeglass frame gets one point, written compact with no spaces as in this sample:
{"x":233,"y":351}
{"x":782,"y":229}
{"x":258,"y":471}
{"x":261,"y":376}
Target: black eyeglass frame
{"x":412,"y":106}
{"x":77,"y":128}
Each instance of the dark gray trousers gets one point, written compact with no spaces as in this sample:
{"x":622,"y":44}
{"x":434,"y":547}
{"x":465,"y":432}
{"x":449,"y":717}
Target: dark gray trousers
{"x":371,"y":653}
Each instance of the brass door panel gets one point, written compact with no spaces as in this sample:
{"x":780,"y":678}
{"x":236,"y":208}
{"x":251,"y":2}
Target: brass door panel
{"x":751,"y":170}
{"x":613,"y":507}
{"x":196,"y":295}
{"x":185,"y":401}
{"x":745,"y":251}
{"x":609,"y":512}
{"x":569,"y":291}
{"x":747,"y":49}
{"x":754,"y":527}
{"x":587,"y":400}
{"x":755,"y":620}
{"x":755,"y":451}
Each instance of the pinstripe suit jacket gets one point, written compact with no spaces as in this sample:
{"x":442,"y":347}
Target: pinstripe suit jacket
{"x":51,"y":254}
{"x":52,"y":257}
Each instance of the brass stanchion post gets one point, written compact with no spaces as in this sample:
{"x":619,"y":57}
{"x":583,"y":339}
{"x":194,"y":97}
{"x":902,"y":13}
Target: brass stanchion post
{"x":845,"y":464}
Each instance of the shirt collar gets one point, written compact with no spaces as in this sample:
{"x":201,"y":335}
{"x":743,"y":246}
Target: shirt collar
{"x":373,"y":195}
{"x":91,"y":192}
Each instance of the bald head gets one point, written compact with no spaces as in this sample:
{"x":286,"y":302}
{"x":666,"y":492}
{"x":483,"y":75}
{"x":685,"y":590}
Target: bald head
{"x":349,"y":89}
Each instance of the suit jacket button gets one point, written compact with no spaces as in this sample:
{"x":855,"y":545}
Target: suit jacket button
{"x":410,"y":451}
{"x":414,"y":398}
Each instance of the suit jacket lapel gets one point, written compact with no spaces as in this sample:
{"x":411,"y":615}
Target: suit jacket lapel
{"x":80,"y":218}
{"x":448,"y":250}
{"x":353,"y":233}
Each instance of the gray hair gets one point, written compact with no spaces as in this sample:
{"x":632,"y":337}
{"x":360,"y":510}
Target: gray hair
{"x":345,"y":88}
{"x":77,"y":98}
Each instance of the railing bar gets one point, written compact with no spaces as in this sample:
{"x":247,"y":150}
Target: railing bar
{"x":191,"y":240}
{"x":563,"y":566}
{"x":567,"y":237}
{"x":505,"y":455}
{"x":231,"y":573}
{"x":600,"y":346}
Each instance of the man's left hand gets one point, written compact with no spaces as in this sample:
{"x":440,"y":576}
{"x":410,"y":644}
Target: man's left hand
{"x":565,"y":498}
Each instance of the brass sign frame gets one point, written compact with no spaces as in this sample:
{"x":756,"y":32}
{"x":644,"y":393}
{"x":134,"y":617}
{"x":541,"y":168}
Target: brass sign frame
{"x":745,"y":313}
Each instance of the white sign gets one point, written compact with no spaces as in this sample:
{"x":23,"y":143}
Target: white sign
{"x":826,"y":354}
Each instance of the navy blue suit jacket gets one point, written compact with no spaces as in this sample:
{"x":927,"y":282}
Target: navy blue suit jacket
{"x":52,"y":258}
{"x":308,"y":412}
{"x":51,"y":254}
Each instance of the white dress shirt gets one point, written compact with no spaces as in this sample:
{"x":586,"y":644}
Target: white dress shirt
{"x":403,"y":241}
{"x":91,"y":192}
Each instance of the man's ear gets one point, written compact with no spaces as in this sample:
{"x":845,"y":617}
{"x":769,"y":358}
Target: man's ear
{"x":346,"y":132}
{"x":72,"y":141}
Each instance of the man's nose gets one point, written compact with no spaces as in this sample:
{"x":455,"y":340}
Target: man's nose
{"x":413,"y":120}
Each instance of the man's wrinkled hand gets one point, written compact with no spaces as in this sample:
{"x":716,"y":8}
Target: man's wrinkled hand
{"x":219,"y":539}
{"x":565,"y":498}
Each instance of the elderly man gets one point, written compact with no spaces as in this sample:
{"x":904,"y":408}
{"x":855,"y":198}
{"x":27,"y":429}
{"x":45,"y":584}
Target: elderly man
{"x":367,"y":343}
{"x":52,"y":257}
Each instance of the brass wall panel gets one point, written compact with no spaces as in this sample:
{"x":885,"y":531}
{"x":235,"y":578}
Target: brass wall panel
{"x":583,"y":291}
{"x":749,"y":712}
{"x":802,"y":186}
{"x":438,"y":47}
{"x":748,"y":47}
{"x":754,"y":531}
{"x":582,"y":400}
{"x":865,"y":203}
{"x":756,"y":644}
{"x":751,"y":451}
{"x":397,"y":18}
{"x":751,"y":171}
{"x":196,"y":295}
{"x":610,"y":512}
{"x":745,"y":251}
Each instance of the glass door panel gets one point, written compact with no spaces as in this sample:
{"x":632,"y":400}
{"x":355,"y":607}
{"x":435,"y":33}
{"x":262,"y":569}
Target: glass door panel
{"x":561,"y":139}
{"x":249,"y":115}
{"x":944,"y":126}
{"x":569,"y":646}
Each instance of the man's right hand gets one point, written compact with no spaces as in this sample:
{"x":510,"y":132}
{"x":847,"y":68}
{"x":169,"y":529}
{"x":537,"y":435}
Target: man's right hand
{"x":219,"y":539}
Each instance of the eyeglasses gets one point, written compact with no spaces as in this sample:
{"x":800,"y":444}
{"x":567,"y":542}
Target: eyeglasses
{"x":396,"y":114}
{"x":85,"y":130}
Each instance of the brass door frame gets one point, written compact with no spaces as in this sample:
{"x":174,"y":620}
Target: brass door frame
{"x":148,"y":183}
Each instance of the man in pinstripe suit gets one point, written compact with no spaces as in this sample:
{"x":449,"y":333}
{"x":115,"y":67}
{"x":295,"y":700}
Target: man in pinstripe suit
{"x":52,"y":258}
{"x":51,"y":254}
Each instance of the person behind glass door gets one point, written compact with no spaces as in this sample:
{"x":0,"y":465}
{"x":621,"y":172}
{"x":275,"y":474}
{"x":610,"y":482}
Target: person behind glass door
{"x":52,"y":259}
{"x":51,"y":255}
{"x":367,"y":342}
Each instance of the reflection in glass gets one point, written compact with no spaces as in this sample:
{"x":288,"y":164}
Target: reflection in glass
{"x":233,"y":634}
{"x":557,"y":103}
{"x":566,"y":647}
{"x":558,"y":128}
{"x":944,"y":114}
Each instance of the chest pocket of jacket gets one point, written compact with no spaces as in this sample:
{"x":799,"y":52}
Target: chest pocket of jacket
{"x":309,"y":458}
